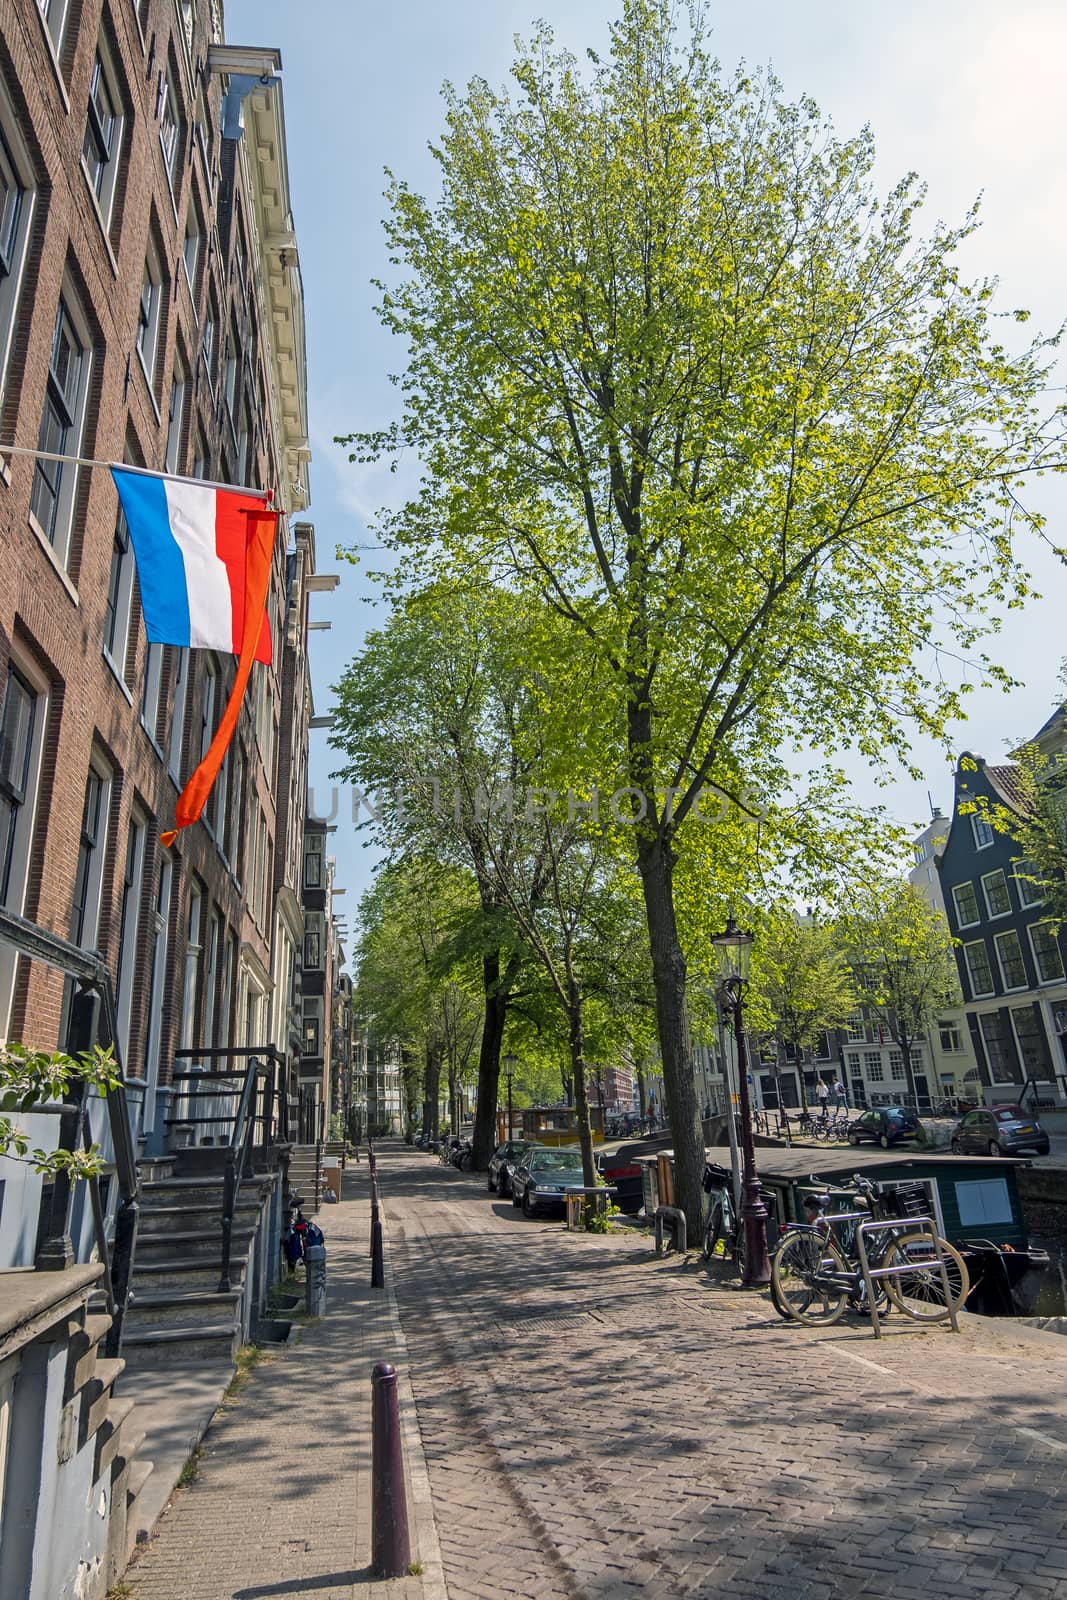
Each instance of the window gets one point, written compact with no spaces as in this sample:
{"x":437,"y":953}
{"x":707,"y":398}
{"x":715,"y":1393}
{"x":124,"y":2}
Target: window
{"x":313,"y":861}
{"x":133,"y":878}
{"x":175,"y":423}
{"x":872,"y":1065}
{"x":1027,"y":888}
{"x":311,"y":1036}
{"x":211,"y":976}
{"x":89,"y":875}
{"x":950,"y":1037}
{"x":312,"y":945}
{"x":16,"y":210}
{"x":245,"y":442}
{"x":102,"y":143}
{"x":976,"y":957}
{"x":966,"y":903}
{"x":192,"y":966}
{"x":1033,"y":1041}
{"x":188,"y":12}
{"x":1010,"y":957}
{"x":995,"y":889}
{"x":54,"y":13}
{"x":202,"y":458}
{"x":981,"y":831}
{"x":119,"y":609}
{"x":19,"y":758}
{"x":55,"y":482}
{"x":157,"y":970}
{"x":150,"y":694}
{"x":853,"y":1059}
{"x":983,"y":1202}
{"x":856,"y":1029}
{"x":226,"y":1000}
{"x":149,"y":316}
{"x":1001,"y":1054}
{"x":191,"y":253}
{"x":233,"y":363}
{"x":1046,"y":950}
{"x":211,"y":323}
{"x":177,"y":719}
{"x":171,"y":124}
{"x":221,"y":803}
{"x":896,"y":1066}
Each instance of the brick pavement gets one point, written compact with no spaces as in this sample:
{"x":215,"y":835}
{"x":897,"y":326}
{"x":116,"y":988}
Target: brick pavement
{"x":633,"y":1429}
{"x":281,"y":1502}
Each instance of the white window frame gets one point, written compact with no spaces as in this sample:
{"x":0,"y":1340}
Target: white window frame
{"x":194,"y":932}
{"x":976,"y":993}
{"x":159,"y":922}
{"x":53,"y":15}
{"x":194,"y":245}
{"x":176,"y":742}
{"x":1057,"y":977}
{"x":86,"y":936}
{"x":949,"y":1031}
{"x":119,"y":609}
{"x":897,"y":1073}
{"x":17,"y":867}
{"x":149,"y":317}
{"x":211,"y":975}
{"x":998,"y":872}
{"x":175,"y":421}
{"x":1011,"y":988}
{"x":151,"y":690}
{"x":974,"y":921}
{"x":129,"y":926}
{"x":1029,"y":893}
{"x":171,"y":125}
{"x":16,"y":222}
{"x":58,"y":535}
{"x":979,"y":829}
{"x":103,"y":184}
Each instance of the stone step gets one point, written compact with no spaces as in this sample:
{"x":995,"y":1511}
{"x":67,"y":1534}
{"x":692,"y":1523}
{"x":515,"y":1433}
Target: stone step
{"x":168,"y":1192}
{"x":140,"y":1472}
{"x":84,"y":1348}
{"x":154,"y":1247}
{"x":161,"y":1219}
{"x":182,"y":1308}
{"x":186,"y":1272}
{"x":109,"y":1435}
{"x":96,"y":1398}
{"x":148,"y":1348}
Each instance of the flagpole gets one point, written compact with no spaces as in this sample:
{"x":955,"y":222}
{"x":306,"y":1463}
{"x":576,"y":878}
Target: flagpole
{"x":124,"y":466}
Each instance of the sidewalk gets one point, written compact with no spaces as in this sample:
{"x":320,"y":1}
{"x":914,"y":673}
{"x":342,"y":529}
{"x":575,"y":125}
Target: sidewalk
{"x":281,"y":1501}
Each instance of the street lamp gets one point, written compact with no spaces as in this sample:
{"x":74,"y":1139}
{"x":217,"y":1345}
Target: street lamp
{"x":510,"y":1063}
{"x":733,"y":948}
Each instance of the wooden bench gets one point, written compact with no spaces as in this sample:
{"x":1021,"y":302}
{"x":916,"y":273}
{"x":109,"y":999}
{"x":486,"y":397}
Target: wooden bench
{"x":576,"y":1198}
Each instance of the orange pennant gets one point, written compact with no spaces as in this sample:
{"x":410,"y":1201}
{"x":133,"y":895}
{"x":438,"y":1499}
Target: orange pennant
{"x":262,"y":531}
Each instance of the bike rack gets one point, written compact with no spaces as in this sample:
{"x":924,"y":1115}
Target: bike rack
{"x":922,"y":1225}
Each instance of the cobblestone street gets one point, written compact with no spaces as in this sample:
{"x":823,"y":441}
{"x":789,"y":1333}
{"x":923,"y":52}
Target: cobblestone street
{"x":599,"y":1423}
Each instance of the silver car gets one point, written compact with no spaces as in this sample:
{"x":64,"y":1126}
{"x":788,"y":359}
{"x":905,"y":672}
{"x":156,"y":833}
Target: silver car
{"x":544,"y":1176}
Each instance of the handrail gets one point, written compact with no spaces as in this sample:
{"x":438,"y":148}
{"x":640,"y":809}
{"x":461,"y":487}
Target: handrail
{"x":91,"y":972}
{"x":235,"y":1171}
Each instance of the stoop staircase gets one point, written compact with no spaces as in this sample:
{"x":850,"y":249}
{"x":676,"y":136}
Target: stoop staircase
{"x":306,"y":1171}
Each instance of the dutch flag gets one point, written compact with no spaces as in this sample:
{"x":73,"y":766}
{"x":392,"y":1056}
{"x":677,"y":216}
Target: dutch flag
{"x":189,"y":540}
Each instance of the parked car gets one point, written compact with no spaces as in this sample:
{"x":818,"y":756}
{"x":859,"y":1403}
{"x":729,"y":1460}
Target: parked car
{"x":543,"y":1177}
{"x":886,"y":1126}
{"x":503,"y":1161}
{"x":999,"y":1131}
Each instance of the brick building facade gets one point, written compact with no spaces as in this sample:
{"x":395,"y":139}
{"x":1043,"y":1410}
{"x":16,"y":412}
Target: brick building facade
{"x":150,"y":312}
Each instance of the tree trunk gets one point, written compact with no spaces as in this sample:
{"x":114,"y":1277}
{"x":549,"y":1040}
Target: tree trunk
{"x":431,"y":1105}
{"x":576,"y":1041}
{"x":496,"y":1010}
{"x":656,"y":865}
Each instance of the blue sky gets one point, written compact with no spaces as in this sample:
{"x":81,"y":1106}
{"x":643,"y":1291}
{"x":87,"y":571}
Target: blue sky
{"x":967,"y":92}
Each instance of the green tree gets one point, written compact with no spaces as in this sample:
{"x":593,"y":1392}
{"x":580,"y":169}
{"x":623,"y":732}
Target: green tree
{"x":31,"y":1078}
{"x":900,"y":953}
{"x":803,"y":977}
{"x":673,"y":365}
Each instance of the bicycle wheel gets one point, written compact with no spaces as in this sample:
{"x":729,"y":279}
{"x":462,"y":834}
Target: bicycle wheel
{"x":714,"y":1231}
{"x":796,"y":1270}
{"x":919,"y":1292}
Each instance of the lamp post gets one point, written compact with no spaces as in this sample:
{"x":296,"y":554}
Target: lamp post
{"x":511,"y":1061}
{"x":733,"y":947}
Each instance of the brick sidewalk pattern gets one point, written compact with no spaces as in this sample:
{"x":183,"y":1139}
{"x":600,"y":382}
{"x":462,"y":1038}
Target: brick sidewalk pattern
{"x":280,"y":1505}
{"x":636,"y":1429}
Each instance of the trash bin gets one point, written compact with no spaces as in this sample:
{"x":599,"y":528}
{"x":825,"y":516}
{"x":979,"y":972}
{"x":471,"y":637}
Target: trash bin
{"x":331,"y":1174}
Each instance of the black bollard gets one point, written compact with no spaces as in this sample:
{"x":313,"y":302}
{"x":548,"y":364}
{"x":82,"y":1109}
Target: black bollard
{"x":390,"y":1544}
{"x":377,"y":1260}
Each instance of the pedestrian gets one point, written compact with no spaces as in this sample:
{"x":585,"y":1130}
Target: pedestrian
{"x":822,"y":1089}
{"x":355,"y":1150}
{"x":840,"y":1097}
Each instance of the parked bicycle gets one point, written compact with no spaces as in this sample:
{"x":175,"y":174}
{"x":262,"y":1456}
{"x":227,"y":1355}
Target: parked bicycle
{"x":816,"y":1270}
{"x":724,"y":1223}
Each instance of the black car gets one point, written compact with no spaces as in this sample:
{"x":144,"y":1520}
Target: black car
{"x":886,"y":1126}
{"x":543,"y":1177}
{"x":999,"y":1131}
{"x":503,"y":1161}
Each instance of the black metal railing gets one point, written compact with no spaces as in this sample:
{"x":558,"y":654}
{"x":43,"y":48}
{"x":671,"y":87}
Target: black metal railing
{"x":257,"y":1098}
{"x":90,"y":973}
